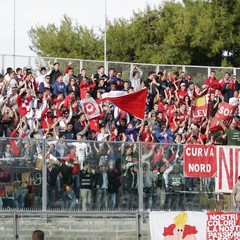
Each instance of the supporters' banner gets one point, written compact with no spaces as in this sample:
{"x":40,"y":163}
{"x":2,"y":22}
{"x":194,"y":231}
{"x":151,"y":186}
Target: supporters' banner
{"x":222,"y":225}
{"x":133,"y":103}
{"x":90,"y":108}
{"x":226,"y":113}
{"x":200,"y":109}
{"x":200,"y":161}
{"x":195,"y":225}
{"x":228,"y":166}
{"x":177,"y":225}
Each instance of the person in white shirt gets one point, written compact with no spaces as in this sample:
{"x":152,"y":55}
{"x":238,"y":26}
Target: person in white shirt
{"x":235,"y":101}
{"x":81,"y":149}
{"x":102,"y":136}
{"x":135,"y":78}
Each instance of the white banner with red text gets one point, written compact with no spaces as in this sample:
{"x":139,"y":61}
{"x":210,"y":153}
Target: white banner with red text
{"x":194,"y":225}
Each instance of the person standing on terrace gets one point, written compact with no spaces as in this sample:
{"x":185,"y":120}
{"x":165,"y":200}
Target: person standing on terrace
{"x":236,"y":194}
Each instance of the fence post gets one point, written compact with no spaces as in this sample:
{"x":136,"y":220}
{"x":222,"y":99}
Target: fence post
{"x":140,"y":180}
{"x":80,"y":65}
{"x":44,"y":177}
{"x":138,"y":219}
{"x":15,"y":217}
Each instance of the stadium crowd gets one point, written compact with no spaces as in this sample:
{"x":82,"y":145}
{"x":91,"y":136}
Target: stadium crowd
{"x":92,"y":163}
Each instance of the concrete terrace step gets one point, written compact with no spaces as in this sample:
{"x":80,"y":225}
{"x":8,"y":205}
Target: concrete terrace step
{"x":71,"y":228}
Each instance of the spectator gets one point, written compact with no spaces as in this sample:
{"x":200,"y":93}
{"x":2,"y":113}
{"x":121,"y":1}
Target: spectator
{"x":129,"y":186}
{"x":236,"y":194}
{"x":102,"y":185}
{"x":135,"y":77}
{"x":233,"y":135}
{"x":86,"y":185}
{"x":176,"y":184}
{"x":211,"y":83}
{"x":85,"y":87}
{"x":54,"y":73}
{"x":148,"y":186}
{"x":68,"y":195}
{"x":38,"y":235}
{"x":59,"y":86}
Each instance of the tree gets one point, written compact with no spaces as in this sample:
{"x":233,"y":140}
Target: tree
{"x":196,"y":32}
{"x":69,"y":41}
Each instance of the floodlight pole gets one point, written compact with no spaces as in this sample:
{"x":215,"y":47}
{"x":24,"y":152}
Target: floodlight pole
{"x":14,"y":32}
{"x":105,"y":37}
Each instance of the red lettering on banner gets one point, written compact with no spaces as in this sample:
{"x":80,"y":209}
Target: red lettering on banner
{"x":229,"y":168}
{"x":237,"y":159}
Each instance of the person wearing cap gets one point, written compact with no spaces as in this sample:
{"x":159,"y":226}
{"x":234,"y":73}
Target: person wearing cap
{"x":180,"y":93}
{"x":129,"y":186}
{"x":236,"y":195}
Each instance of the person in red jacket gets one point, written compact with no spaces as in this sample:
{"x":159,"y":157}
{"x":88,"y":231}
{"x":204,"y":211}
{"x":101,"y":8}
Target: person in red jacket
{"x":75,"y":171}
{"x":47,"y":119}
{"x":211,"y":83}
{"x":68,"y":100}
{"x":23,"y":102}
{"x":85,"y":87}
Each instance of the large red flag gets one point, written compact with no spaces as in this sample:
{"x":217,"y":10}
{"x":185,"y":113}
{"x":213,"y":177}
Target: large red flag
{"x":133,"y":103}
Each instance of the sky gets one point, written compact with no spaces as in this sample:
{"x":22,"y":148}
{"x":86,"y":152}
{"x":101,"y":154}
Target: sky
{"x":28,"y":13}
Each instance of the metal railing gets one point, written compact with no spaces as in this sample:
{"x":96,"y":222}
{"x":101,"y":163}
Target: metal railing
{"x":20,"y":224}
{"x":197,"y":73}
{"x":28,"y":201}
{"x":32,"y":177}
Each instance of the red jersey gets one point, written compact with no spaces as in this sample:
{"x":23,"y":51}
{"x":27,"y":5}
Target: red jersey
{"x":23,"y":105}
{"x":46,"y":119}
{"x":85,"y":87}
{"x":212,"y":83}
{"x":146,"y":136}
{"x":181,"y":95}
{"x":76,"y":167}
